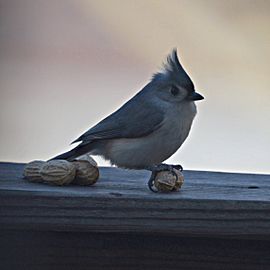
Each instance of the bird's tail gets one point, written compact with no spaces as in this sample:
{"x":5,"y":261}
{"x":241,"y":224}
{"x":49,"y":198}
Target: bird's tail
{"x":73,"y":153}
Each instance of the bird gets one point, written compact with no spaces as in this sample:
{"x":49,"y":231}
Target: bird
{"x":148,"y":128}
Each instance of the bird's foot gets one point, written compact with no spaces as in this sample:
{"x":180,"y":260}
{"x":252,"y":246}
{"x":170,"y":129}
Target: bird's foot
{"x":160,"y":168}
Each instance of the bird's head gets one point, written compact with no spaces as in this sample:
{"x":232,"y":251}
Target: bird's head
{"x":173,"y":84}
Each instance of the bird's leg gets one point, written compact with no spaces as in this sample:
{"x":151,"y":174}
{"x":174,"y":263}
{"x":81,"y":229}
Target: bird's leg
{"x":159,"y":168}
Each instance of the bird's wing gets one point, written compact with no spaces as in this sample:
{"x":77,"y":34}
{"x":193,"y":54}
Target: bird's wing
{"x":132,"y":120}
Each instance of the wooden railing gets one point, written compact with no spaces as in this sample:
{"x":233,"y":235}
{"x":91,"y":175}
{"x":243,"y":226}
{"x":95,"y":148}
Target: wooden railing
{"x":216,"y":221}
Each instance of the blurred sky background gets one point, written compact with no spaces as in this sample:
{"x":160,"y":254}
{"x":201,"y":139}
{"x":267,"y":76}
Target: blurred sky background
{"x":66,"y":64}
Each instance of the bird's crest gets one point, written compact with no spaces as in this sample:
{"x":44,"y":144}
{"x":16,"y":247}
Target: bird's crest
{"x":173,"y":70}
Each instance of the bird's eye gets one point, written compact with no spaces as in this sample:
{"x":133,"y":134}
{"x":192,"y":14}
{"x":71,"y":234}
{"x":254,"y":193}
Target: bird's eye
{"x":174,"y":91}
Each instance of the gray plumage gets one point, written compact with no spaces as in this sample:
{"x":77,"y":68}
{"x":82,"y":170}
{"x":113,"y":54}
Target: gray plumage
{"x":150,"y":127}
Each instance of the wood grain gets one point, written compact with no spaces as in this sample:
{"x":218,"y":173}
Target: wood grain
{"x":209,"y":203}
{"x":217,"y":221}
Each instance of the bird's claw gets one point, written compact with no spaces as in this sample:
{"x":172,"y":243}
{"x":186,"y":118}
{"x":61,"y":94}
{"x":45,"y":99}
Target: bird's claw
{"x":151,"y":182}
{"x":160,"y":168}
{"x":178,"y":167}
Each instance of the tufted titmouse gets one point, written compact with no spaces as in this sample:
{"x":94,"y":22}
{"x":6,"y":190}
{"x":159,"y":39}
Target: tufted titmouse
{"x":147,"y":129}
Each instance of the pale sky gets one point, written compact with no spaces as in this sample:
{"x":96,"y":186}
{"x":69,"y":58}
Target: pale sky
{"x":66,"y":64}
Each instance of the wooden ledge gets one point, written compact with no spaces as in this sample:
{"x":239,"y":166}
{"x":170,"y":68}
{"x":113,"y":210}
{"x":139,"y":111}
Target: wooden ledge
{"x":209,"y":204}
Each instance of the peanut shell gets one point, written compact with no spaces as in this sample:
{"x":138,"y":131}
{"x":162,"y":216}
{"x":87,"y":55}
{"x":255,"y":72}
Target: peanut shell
{"x":58,"y":172}
{"x":166,"y":181}
{"x":32,"y":171}
{"x":86,"y":173}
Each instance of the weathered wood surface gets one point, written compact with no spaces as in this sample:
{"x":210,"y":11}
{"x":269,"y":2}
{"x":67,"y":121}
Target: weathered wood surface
{"x":217,"y":221}
{"x":209,"y":204}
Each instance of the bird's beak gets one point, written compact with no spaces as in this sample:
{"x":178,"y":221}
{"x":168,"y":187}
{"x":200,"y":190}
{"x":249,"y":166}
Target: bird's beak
{"x":195,"y":96}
